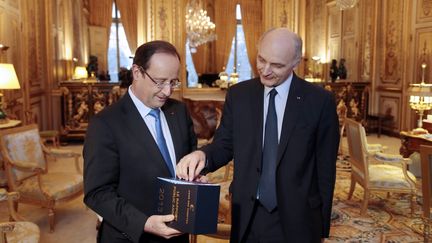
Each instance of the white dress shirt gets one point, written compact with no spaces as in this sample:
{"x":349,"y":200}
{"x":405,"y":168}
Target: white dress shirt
{"x":150,"y":121}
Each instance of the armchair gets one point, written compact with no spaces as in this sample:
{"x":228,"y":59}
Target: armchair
{"x":27,"y":172}
{"x":19,"y":230}
{"x":378,"y":172}
{"x":372,"y":148}
{"x":46,"y":135}
{"x":426,"y":171}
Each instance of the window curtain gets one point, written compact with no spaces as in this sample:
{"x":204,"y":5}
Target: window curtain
{"x":203,"y":59}
{"x":128,"y":15}
{"x":251,"y":11}
{"x":225,"y":30}
{"x":101,"y":15}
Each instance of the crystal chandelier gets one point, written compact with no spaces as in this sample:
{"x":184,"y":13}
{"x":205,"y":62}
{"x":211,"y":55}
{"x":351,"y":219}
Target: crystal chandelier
{"x":199,"y":28}
{"x":346,"y":4}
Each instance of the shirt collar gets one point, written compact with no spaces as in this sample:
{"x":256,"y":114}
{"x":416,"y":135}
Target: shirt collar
{"x":282,"y":89}
{"x":143,"y":109}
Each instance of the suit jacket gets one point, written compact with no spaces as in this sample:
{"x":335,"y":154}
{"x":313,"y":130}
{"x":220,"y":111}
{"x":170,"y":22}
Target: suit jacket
{"x":307,"y":154}
{"x":121,"y":163}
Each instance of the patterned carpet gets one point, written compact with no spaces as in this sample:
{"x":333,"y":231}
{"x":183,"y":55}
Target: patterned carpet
{"x":388,"y":219}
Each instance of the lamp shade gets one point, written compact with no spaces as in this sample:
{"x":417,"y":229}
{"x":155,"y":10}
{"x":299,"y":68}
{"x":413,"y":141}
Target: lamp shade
{"x":8,"y":77}
{"x":80,"y":72}
{"x":421,"y":89}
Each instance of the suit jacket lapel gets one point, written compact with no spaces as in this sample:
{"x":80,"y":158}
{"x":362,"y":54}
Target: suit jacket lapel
{"x":257,"y":117}
{"x":139,"y":128}
{"x":292,"y":110}
{"x":171,"y":118}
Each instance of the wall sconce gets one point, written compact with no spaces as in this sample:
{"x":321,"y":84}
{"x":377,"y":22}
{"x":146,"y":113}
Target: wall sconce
{"x":8,"y":80}
{"x":80,"y":72}
{"x":420,"y":100}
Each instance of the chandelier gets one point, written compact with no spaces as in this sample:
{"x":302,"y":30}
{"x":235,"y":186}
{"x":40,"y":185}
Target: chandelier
{"x":199,"y":28}
{"x":346,"y":4}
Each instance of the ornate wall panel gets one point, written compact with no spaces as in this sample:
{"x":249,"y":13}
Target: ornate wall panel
{"x":315,"y":33}
{"x":389,"y":104}
{"x":423,"y":54}
{"x":334,"y":26}
{"x":163,"y":19}
{"x":350,"y":46}
{"x":366,"y":43}
{"x":423,"y":10}
{"x":392,"y":55}
{"x":10,"y":35}
{"x":166,"y":20}
{"x":281,"y":13}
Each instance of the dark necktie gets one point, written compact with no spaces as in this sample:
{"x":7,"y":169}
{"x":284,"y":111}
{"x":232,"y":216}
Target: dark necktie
{"x":160,"y":140}
{"x":267,"y":185}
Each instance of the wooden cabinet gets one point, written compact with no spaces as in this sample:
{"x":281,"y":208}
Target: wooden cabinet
{"x":351,"y":98}
{"x":80,"y":101}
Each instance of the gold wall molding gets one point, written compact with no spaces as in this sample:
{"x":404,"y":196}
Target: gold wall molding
{"x":391,"y":59}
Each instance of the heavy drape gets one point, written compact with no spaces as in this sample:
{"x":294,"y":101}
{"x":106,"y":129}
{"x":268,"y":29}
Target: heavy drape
{"x":251,"y":11}
{"x":225,"y":21}
{"x":101,"y":15}
{"x":128,"y":16}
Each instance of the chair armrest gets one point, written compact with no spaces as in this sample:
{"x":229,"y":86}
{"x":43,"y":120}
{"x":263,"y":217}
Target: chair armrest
{"x":65,"y":153}
{"x":374,"y":146}
{"x":3,"y":194}
{"x":6,"y":227}
{"x":62,"y":153}
{"x":27,"y":167}
{"x":384,"y":157}
{"x":391,"y":158}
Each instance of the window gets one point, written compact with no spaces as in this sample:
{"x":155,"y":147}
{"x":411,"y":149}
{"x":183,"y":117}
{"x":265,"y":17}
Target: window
{"x":238,"y":55}
{"x":191,"y":74}
{"x":118,"y":49}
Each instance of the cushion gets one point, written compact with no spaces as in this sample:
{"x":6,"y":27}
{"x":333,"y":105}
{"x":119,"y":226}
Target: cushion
{"x":58,"y":185}
{"x":23,"y":232}
{"x":389,"y":176}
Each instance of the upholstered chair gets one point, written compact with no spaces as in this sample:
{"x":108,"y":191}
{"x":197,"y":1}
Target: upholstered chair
{"x":376,"y":172}
{"x":372,"y":148}
{"x":341,"y":110}
{"x":426,"y":174}
{"x":27,"y":171}
{"x":51,"y":136}
{"x":18,"y":230}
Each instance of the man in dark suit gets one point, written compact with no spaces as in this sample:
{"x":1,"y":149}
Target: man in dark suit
{"x":283,"y":134}
{"x":131,"y":143}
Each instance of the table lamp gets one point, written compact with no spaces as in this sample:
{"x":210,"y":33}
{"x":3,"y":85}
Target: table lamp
{"x":420,"y":100}
{"x":80,"y":72}
{"x":8,"y":80}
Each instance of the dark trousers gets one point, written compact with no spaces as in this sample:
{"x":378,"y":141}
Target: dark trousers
{"x":264,"y":226}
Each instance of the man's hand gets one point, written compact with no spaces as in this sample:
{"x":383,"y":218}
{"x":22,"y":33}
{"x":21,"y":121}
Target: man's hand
{"x":156,"y":224}
{"x":191,"y":165}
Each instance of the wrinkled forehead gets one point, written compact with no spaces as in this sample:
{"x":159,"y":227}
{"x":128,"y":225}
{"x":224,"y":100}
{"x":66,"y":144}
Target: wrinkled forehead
{"x":276,"y":50}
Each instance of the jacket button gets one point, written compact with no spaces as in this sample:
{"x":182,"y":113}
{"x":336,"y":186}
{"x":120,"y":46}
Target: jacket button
{"x":258,"y":170}
{"x":252,"y":198}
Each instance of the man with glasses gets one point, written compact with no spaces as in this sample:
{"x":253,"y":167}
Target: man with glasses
{"x":132,"y":142}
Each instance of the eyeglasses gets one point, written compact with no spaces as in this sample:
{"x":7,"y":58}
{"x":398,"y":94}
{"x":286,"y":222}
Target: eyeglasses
{"x":173,"y":83}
